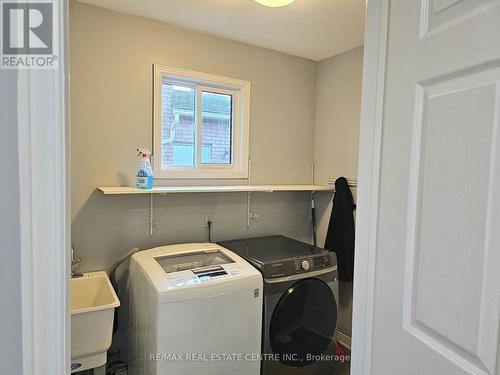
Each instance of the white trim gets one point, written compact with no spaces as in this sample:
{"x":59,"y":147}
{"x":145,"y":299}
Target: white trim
{"x":370,"y":148}
{"x":44,"y":213}
{"x":240,"y":92}
{"x":344,"y":340}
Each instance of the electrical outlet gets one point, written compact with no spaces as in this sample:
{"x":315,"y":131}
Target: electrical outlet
{"x":208,"y":218}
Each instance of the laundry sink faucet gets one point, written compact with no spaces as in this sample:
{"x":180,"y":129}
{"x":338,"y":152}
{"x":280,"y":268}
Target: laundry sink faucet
{"x":75,"y":263}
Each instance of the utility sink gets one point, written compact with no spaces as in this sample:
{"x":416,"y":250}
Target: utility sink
{"x":93,"y":303}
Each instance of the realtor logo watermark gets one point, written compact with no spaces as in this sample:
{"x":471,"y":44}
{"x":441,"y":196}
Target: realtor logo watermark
{"x":29,"y":34}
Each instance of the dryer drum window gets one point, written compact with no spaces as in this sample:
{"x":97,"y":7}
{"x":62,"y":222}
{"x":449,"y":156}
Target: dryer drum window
{"x":303,"y":323}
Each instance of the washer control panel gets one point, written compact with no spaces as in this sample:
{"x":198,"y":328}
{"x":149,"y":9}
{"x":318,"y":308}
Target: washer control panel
{"x":299,"y":265}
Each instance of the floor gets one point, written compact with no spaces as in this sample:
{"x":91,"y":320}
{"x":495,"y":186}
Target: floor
{"x":345,"y":308}
{"x":342,"y":369}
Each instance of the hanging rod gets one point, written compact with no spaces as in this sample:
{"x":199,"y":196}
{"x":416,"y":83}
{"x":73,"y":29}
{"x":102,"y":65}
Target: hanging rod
{"x":352,"y":182}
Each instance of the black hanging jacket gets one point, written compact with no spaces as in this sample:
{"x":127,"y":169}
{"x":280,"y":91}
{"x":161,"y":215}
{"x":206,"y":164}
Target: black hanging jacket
{"x":340,"y":235}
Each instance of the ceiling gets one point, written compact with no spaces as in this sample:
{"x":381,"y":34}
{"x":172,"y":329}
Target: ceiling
{"x":314,"y":29}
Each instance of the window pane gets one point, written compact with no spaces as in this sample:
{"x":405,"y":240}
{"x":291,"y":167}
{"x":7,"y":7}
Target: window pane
{"x":178,"y":128}
{"x":206,"y":152}
{"x":183,"y":154}
{"x":216,"y":128}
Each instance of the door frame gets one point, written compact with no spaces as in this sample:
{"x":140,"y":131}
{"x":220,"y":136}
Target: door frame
{"x":43,"y":149}
{"x":46,"y":269}
{"x":370,"y":147}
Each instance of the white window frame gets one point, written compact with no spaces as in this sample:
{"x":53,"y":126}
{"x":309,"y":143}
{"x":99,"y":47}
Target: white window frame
{"x":240,"y":91}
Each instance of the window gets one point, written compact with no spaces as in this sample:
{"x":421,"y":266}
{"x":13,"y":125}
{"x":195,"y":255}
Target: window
{"x":201,"y":125}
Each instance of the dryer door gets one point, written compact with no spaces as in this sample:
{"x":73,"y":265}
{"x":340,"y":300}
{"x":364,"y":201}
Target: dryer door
{"x":303,"y":323}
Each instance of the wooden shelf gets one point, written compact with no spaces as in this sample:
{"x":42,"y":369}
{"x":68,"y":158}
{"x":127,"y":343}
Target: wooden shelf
{"x":122,"y":190}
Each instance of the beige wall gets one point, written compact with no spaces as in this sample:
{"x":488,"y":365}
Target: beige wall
{"x":338,"y":106}
{"x":111,"y":56}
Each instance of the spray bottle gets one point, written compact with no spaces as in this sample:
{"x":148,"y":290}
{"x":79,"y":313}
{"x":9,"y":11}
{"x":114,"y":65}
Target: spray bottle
{"x":145,"y":172}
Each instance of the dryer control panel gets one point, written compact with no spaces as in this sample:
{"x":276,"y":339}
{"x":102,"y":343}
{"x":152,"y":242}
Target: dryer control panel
{"x":299,"y":265}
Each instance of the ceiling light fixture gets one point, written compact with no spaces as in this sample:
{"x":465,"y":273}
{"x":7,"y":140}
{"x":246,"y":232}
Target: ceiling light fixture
{"x":275,"y":3}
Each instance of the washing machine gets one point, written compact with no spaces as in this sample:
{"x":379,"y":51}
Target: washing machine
{"x":194,"y":309}
{"x":300,"y":304}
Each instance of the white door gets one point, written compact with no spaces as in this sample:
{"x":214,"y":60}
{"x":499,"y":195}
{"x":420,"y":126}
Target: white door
{"x":435,"y":222}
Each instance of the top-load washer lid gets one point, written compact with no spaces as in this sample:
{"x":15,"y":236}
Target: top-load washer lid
{"x":200,"y":265}
{"x":196,"y":261}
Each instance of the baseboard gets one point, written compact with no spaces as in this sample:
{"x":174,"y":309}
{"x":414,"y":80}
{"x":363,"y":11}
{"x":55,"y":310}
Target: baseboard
{"x":344,"y":340}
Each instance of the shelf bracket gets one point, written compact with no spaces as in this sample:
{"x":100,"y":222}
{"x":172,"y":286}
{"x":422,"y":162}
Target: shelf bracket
{"x":153,"y":225}
{"x":250,"y":215}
